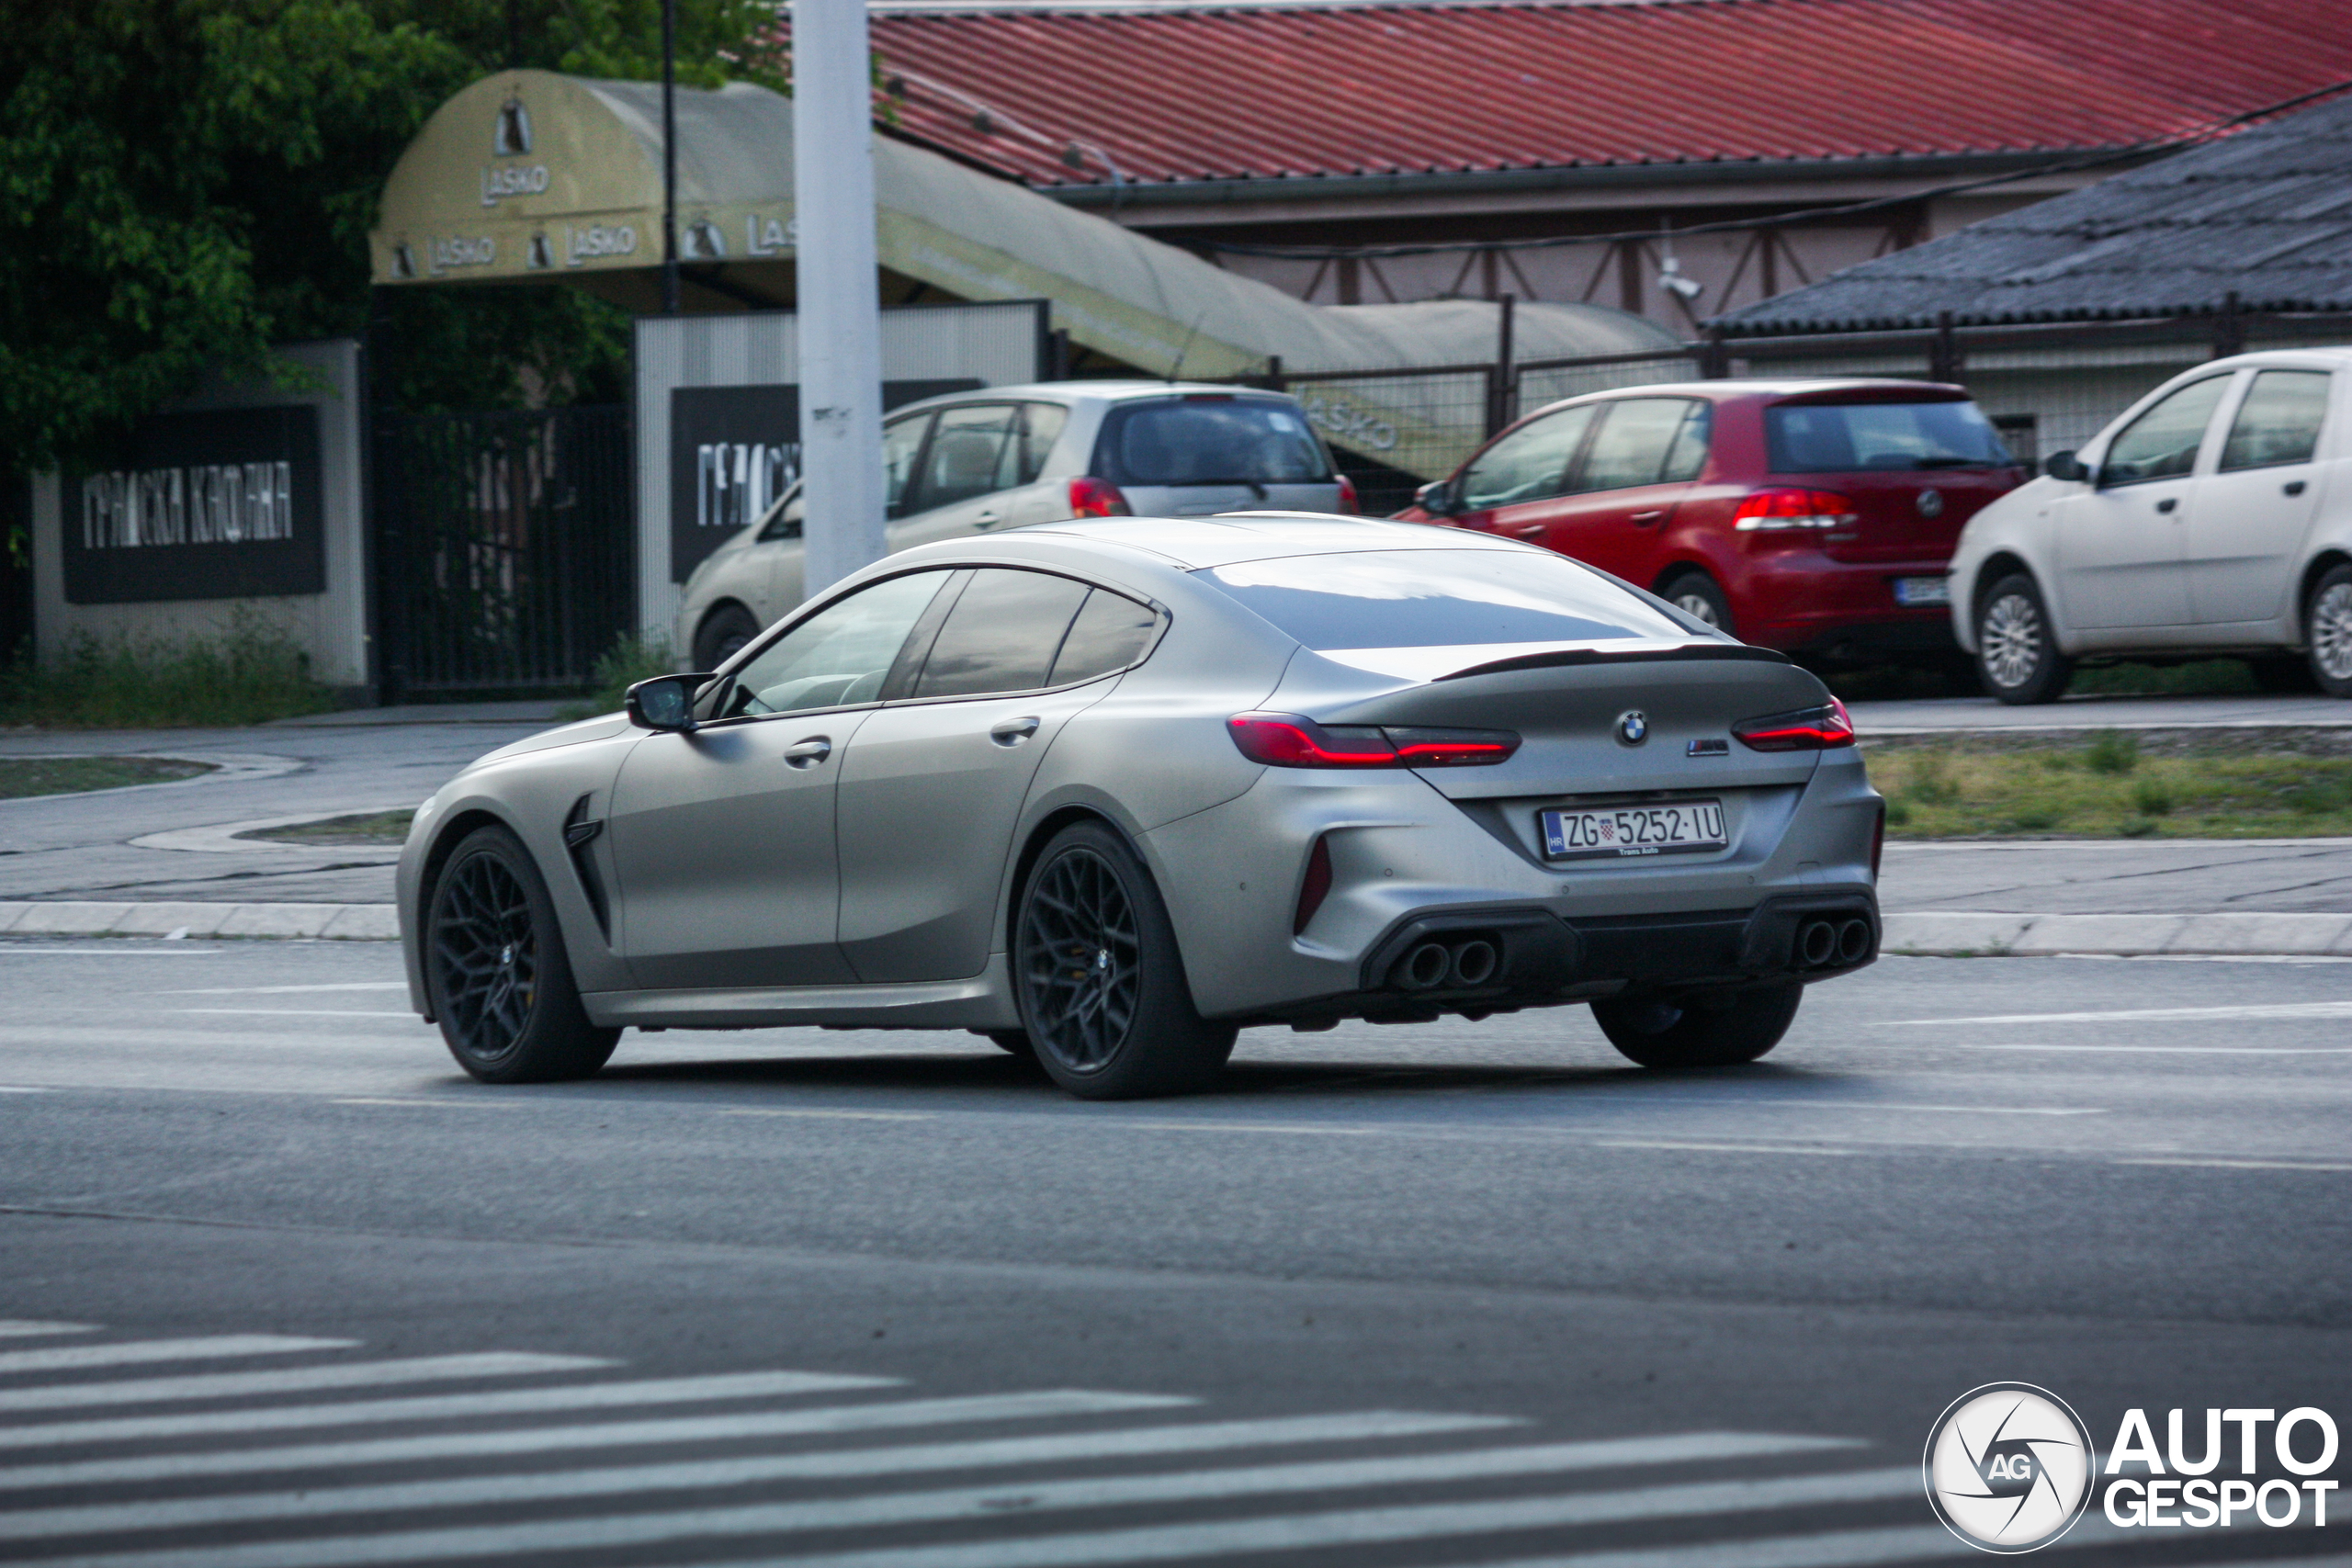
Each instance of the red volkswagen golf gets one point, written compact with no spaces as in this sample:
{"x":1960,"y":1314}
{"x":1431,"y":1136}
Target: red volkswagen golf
{"x":1813,"y":516}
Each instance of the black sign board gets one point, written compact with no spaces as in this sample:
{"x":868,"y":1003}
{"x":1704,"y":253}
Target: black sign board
{"x":734,"y":453}
{"x":223,"y":504}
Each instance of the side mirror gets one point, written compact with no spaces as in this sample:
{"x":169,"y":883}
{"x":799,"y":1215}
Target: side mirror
{"x":2066,"y":466}
{"x":664,"y":702}
{"x":1436,"y":498}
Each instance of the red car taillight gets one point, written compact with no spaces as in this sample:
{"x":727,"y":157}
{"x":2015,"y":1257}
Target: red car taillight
{"x":1771,"y":511}
{"x":1806,"y":729}
{"x":1348,"y":503}
{"x":1316,"y":888}
{"x":1090,"y":497}
{"x":1287,"y":740}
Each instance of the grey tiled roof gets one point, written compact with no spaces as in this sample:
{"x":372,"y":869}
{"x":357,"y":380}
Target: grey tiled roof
{"x":2266,"y":213}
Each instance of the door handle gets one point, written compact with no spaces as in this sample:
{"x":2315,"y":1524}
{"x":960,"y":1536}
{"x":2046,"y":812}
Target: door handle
{"x":988,"y":519}
{"x":2168,"y":504}
{"x":2293,"y":487}
{"x":1013,"y":731}
{"x":1531,"y":531}
{"x":1641,"y":519}
{"x":807,"y":754}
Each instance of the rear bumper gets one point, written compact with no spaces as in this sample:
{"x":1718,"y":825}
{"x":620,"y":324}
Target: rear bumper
{"x":1542,"y":959}
{"x":1803,"y":601}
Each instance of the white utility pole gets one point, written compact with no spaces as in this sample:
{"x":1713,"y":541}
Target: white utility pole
{"x":839,"y":319}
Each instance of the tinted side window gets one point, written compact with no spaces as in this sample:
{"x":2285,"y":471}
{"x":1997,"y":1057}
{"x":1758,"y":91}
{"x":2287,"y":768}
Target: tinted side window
{"x":1630,"y":446}
{"x":2161,"y":442}
{"x":1111,"y":633}
{"x":838,"y":656}
{"x":785,"y":521}
{"x":1001,"y":635}
{"x":961,"y":461}
{"x":901,"y":445}
{"x":1024,"y":455}
{"x":1530,"y":464}
{"x":2278,"y":423}
{"x":1200,"y":438}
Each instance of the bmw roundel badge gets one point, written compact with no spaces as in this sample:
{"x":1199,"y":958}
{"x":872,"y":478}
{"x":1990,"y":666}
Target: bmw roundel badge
{"x":1633,"y":726}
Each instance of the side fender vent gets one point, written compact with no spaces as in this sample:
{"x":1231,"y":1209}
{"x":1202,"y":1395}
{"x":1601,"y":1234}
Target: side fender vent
{"x":580,"y":832}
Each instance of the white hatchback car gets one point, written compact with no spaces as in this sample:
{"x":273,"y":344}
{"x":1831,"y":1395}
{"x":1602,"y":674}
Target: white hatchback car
{"x":981,"y":461}
{"x":2213,"y":518}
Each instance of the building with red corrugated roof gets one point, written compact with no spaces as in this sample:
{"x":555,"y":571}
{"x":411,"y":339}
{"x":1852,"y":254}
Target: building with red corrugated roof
{"x":1364,"y":151}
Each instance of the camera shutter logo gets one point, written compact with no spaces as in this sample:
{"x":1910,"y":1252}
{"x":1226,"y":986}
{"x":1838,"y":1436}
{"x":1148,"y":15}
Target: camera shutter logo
{"x":2008,"y":1467}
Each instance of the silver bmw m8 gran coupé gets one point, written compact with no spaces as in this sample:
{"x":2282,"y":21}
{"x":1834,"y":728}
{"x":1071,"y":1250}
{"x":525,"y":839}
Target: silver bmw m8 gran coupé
{"x":1106,"y":792}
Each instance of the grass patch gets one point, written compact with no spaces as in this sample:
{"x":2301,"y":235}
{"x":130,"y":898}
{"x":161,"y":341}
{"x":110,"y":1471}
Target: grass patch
{"x":2110,"y":786}
{"x":2206,"y":677}
{"x":245,"y":674}
{"x":631,"y":658}
{"x":24,"y":776}
{"x":374,"y":827}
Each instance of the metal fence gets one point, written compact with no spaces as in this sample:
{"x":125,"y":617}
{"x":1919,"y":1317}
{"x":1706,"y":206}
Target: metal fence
{"x":503,"y":548}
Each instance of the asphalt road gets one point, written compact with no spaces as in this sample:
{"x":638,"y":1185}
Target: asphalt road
{"x":1452,"y":1295}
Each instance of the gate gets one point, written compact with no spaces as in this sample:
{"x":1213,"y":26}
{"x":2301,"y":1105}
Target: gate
{"x":505,"y":548}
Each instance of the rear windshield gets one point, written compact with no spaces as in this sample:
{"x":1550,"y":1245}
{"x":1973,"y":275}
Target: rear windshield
{"x":1440,"y":599}
{"x":1835,"y":439}
{"x":1210,"y":440}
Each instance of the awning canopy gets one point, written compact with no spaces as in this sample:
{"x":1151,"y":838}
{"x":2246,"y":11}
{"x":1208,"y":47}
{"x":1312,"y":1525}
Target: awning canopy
{"x":528,"y":176}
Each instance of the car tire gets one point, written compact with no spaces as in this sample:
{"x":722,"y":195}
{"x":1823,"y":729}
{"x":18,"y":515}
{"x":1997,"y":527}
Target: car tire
{"x":1721,"y":1029}
{"x":498,"y":972}
{"x":722,"y":634}
{"x":1100,"y":981}
{"x":2017,"y":653}
{"x":1696,"y":594}
{"x":2327,"y":622}
{"x":2284,"y":673}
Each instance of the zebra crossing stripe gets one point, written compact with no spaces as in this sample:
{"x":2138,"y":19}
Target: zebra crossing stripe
{"x":219,"y":1347}
{"x":437,"y":1408}
{"x":291,"y":1380}
{"x":617,"y":1433}
{"x":712,"y":1473}
{"x":901,"y":1459}
{"x":1146,"y":1544}
{"x":29,"y":1328}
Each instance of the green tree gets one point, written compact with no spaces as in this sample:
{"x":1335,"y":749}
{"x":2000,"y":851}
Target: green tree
{"x":182,"y":182}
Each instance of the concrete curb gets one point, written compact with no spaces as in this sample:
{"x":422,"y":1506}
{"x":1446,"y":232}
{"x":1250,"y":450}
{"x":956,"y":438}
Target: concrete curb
{"x":1939,"y":931}
{"x":344,"y":922}
{"x":1929,"y":934}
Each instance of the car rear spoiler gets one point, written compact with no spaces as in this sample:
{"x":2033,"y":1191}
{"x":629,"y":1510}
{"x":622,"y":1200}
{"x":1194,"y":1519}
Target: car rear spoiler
{"x":1555,"y":657}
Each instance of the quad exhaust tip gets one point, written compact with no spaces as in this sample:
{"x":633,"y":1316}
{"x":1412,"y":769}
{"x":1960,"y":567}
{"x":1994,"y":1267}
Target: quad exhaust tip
{"x":1823,"y":943}
{"x":1468,"y":963}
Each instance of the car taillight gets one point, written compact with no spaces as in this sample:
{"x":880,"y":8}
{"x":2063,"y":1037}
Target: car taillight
{"x":1317,"y":886}
{"x":1806,"y":729}
{"x":1287,"y":740}
{"x":1771,"y":511}
{"x":1347,"y":495}
{"x":1090,"y":497}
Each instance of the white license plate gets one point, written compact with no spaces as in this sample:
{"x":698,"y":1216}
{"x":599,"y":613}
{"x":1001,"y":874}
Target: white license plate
{"x":1614,"y":830}
{"x":1912,"y":592}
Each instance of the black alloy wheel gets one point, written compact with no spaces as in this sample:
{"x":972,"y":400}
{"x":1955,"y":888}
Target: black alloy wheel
{"x":722,"y":634}
{"x":1723,"y":1029}
{"x":500,"y":977}
{"x":2016,"y":649}
{"x":1101,"y":990}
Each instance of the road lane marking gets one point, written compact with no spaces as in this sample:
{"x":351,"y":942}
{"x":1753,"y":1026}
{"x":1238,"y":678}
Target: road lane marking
{"x":1718,"y":1148}
{"x":464,"y":1097}
{"x":435,"y":1407}
{"x":288,"y":991}
{"x":2162,"y":1050}
{"x":835,"y":1115}
{"x":299,"y":1012}
{"x":17,"y":1088}
{"x":1231,"y":1537}
{"x":412,"y":1496}
{"x":2236,"y":1164}
{"x":1968,"y":1109}
{"x":293,"y":1380}
{"x":75,"y":1357}
{"x":33,"y":1329}
{"x":2142,"y":1015}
